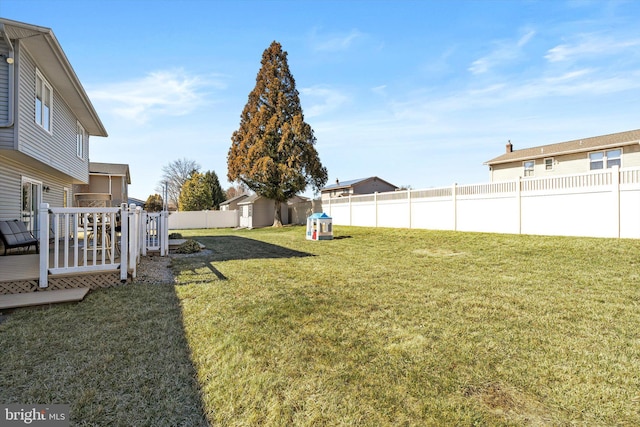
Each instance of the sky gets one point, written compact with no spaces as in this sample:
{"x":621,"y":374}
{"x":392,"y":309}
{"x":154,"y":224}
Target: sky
{"x":417,"y":92}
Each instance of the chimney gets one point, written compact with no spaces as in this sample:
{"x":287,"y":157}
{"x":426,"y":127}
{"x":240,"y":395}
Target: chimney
{"x":509,"y":147}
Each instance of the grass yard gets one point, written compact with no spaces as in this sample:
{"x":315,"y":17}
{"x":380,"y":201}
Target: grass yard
{"x":377,"y":327}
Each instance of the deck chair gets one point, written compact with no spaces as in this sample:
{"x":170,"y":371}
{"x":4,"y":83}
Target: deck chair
{"x":14,"y":234}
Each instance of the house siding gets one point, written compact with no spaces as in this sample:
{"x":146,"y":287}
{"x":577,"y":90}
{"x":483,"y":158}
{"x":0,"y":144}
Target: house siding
{"x":11,"y":173}
{"x":6,"y":133}
{"x":372,"y":186}
{"x":58,"y":148}
{"x":563,"y":165}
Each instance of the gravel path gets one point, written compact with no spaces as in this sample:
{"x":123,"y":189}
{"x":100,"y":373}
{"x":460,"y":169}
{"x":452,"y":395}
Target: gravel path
{"x":155,"y":269}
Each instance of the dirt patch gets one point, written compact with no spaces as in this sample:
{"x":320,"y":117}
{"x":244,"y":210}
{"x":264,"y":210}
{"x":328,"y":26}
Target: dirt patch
{"x":437,"y":252}
{"x":510,"y":404}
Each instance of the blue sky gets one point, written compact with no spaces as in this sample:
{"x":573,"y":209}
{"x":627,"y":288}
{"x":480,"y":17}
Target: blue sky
{"x":419,"y":93}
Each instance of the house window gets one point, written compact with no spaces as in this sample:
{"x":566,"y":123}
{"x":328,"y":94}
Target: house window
{"x":44,"y":101}
{"x":548,"y":164}
{"x":80,"y":139}
{"x":605,"y":159}
{"x":528,"y":167}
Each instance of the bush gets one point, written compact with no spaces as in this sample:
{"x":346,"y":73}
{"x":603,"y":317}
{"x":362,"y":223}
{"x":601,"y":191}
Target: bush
{"x":175,"y":236}
{"x":188,"y":247}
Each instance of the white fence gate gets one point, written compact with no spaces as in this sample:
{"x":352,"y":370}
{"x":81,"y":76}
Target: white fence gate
{"x":98,"y":239}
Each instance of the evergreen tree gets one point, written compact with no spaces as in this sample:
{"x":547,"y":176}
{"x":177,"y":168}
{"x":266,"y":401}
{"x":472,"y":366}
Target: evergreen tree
{"x":217,"y":194}
{"x":273,"y":150}
{"x":195,"y":194}
{"x":153,"y":203}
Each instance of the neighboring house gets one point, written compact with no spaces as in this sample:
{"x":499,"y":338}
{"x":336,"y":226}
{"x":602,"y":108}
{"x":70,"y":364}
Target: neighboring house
{"x":137,"y":202}
{"x":581,"y":155}
{"x":46,"y":119}
{"x":108,"y":178}
{"x":356,"y":186}
{"x":232,"y":204}
{"x":257,"y":211}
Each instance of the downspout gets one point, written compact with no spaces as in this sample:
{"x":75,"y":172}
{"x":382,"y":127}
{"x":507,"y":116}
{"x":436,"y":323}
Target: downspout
{"x":10,"y":60}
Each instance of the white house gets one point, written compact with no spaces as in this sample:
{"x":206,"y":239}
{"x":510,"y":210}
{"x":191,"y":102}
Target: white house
{"x":46,"y":119}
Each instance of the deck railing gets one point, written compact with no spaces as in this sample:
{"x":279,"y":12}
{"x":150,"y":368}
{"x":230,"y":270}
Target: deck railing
{"x":83,"y":240}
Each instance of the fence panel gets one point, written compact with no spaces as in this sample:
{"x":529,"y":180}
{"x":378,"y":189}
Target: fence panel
{"x":204,"y":219}
{"x":603,"y":203}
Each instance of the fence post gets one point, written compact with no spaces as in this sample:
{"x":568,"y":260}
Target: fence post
{"x":165,"y":233}
{"x":615,"y":179}
{"x":519,"y":203}
{"x":409,"y":203}
{"x":375,"y":204}
{"x":43,"y":244}
{"x":124,"y":242}
{"x":454,"y":199}
{"x":146,"y":237}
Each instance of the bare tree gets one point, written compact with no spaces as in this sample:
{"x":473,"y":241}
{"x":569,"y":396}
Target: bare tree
{"x":174,"y":175}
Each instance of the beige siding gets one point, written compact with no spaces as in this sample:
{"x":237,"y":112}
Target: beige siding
{"x":114,"y":185}
{"x":11,"y":173}
{"x":372,"y":186}
{"x":562,"y":165}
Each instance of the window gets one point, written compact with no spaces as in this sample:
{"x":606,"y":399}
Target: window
{"x":548,"y":164}
{"x":44,"y":101}
{"x":80,"y":139}
{"x":605,"y":159}
{"x":528,"y":167}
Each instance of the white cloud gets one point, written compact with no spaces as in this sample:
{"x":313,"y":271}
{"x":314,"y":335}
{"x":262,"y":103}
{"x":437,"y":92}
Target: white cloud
{"x":159,"y":93}
{"x":505,"y":52}
{"x":337,"y":41}
{"x":591,"y":45}
{"x":322,"y":100}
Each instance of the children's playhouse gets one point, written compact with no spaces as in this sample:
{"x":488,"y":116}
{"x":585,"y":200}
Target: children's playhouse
{"x":319,"y":227}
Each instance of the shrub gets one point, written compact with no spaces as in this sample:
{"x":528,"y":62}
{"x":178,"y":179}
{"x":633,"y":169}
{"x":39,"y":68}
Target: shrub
{"x":188,"y":247}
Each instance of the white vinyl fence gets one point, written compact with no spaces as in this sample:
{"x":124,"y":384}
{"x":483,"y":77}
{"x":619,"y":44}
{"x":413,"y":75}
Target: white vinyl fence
{"x":204,"y":219}
{"x":96,"y":239}
{"x":604,"y":203}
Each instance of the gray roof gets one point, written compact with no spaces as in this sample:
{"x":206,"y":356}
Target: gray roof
{"x":43,"y":45}
{"x":352,"y":183}
{"x":569,"y":147}
{"x":233,"y":199}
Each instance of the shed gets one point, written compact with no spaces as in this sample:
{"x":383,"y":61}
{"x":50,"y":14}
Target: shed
{"x":258,"y":211}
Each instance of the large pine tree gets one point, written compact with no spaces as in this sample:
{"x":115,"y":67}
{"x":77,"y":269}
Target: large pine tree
{"x":273,"y":150}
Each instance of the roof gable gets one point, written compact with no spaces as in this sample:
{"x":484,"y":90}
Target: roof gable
{"x":353,"y":183}
{"x":42,"y":44}
{"x":569,"y":147}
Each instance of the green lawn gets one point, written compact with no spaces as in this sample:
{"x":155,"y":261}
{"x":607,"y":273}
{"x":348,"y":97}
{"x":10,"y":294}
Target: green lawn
{"x":377,"y":327}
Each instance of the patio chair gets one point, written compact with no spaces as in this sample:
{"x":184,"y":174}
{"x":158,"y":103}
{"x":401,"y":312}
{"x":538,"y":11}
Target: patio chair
{"x":14,"y":234}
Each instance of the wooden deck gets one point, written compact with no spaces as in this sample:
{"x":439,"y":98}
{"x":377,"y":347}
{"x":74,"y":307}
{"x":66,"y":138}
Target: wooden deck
{"x":41,"y":298}
{"x":20,"y":273}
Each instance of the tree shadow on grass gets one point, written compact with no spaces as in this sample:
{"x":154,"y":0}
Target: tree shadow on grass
{"x":120,"y":357}
{"x":230,"y":248}
{"x":199,"y":268}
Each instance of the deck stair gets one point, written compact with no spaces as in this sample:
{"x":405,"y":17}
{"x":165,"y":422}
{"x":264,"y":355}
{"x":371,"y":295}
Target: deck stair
{"x":42,"y":298}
